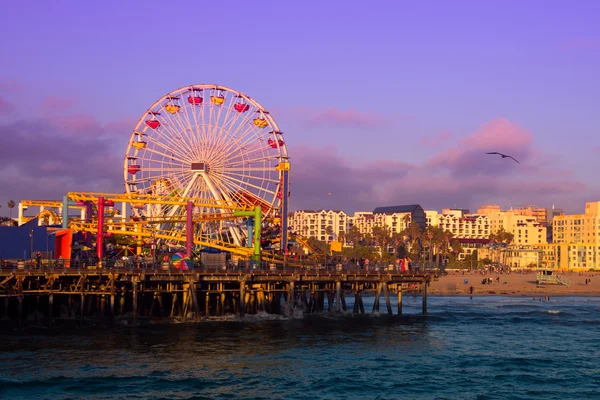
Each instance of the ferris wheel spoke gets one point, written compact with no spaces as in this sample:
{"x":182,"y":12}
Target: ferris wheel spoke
{"x":167,"y":156}
{"x":195,"y":134}
{"x":248,"y":169}
{"x":239,"y":183}
{"x":243,"y":148}
{"x":246,"y":134}
{"x":175,"y":120}
{"x":170,"y":135}
{"x":247,"y":178}
{"x":236,"y":162}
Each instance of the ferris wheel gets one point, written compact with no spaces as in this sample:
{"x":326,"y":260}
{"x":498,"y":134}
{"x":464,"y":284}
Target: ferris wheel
{"x":209,"y":142}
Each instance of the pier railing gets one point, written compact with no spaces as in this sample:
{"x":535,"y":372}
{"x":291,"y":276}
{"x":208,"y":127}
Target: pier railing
{"x":111,"y":265}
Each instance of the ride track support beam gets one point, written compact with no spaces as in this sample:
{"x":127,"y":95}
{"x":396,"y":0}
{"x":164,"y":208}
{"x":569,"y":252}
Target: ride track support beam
{"x":189,"y":228}
{"x":100,"y":234}
{"x":284,"y":211}
{"x":66,"y":203}
{"x":256,"y":214}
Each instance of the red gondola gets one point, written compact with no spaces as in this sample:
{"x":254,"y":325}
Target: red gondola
{"x":196,"y":97}
{"x":153,"y":123}
{"x":273,"y":143}
{"x":241,"y":107}
{"x":133,"y":169}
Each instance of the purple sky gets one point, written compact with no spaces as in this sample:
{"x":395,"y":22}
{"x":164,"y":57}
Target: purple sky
{"x":381,"y":103}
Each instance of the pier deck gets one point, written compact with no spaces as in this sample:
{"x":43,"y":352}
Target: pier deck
{"x":88,"y":294}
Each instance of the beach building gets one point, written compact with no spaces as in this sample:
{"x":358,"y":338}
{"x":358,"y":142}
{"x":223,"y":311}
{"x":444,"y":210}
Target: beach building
{"x":397,"y":218}
{"x":324,"y":225}
{"x":576,"y":240}
{"x":526,"y":229}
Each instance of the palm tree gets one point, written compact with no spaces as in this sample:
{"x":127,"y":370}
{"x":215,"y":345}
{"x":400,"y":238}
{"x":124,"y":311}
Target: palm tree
{"x":342,"y":237}
{"x":11,"y":205}
{"x":328,"y":232}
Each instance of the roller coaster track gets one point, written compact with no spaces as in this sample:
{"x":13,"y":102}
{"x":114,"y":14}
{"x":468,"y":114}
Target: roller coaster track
{"x":139,"y":230}
{"x":152,"y":199}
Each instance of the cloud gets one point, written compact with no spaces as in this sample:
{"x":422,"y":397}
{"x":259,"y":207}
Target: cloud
{"x":6,"y":107}
{"x":10,"y":86}
{"x":54,"y":104}
{"x":435,"y":140}
{"x":331,"y":116}
{"x":468,"y":156}
{"x":455,"y":176}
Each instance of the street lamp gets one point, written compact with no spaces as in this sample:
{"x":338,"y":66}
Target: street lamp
{"x":31,"y":244}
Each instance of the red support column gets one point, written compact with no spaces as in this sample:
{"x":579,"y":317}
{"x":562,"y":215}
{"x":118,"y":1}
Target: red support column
{"x":189,"y":228}
{"x":100,"y":234}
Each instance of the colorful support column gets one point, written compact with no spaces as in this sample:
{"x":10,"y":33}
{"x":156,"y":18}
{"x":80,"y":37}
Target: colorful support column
{"x":256,"y":214}
{"x":189,"y":228}
{"x":100,"y":234}
{"x":250,"y":226}
{"x":65,"y":212}
{"x":257,"y":224}
{"x":284,"y":210}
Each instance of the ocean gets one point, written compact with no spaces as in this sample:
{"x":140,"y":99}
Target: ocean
{"x":480,"y":348}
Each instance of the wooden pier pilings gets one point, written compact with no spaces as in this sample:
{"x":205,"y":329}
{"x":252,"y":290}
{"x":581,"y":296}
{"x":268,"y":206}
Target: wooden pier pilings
{"x":88,"y":296}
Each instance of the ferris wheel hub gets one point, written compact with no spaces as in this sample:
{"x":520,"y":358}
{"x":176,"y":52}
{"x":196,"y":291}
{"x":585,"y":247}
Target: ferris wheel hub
{"x":200,"y":167}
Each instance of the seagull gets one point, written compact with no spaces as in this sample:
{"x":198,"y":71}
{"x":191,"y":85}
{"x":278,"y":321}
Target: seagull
{"x":504,"y":156}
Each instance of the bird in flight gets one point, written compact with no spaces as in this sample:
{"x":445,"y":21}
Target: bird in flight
{"x":504,"y":156}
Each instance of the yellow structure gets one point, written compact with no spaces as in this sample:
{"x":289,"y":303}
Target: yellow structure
{"x":526,"y":230}
{"x":578,"y":228}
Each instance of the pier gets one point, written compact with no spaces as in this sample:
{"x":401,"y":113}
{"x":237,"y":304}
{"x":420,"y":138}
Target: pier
{"x":90,"y":295}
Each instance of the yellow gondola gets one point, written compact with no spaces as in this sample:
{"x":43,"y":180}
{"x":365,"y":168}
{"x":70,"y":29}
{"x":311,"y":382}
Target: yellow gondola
{"x":172,"y":108}
{"x":217,"y":100}
{"x":139,"y":145}
{"x":260,"y":122}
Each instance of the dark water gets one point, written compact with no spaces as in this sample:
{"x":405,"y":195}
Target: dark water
{"x":485,"y":348}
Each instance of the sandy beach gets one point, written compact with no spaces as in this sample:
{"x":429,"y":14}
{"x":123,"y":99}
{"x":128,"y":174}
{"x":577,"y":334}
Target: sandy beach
{"x":515,"y":284}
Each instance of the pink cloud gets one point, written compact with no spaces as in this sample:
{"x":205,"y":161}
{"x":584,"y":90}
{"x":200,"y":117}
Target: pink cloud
{"x":81,"y":124}
{"x":54,"y":104}
{"x":468,"y":156}
{"x":10,"y":86}
{"x":435,"y":140}
{"x":335,"y":117}
{"x":6,"y":107}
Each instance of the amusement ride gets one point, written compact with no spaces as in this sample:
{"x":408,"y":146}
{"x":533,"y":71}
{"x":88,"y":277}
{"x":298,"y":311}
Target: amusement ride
{"x":205,"y":166}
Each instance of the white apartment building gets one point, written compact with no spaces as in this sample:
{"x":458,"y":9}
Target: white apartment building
{"x":311,"y":223}
{"x":462,"y":226}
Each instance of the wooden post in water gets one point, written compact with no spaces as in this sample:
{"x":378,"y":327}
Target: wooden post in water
{"x":343,"y":301}
{"x":134,"y":309}
{"x":386,"y":294}
{"x":242,"y":303}
{"x":377,"y":295}
{"x":50,"y":306}
{"x":207,"y":305}
{"x":20,"y":316}
{"x":338,"y":295}
{"x":173,"y":305}
{"x":400,"y":301}
{"x":194,"y":296}
{"x":112,"y":308}
{"x":81,"y":309}
{"x":291,"y":299}
{"x":424,"y":288}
